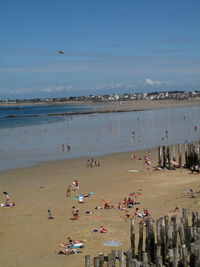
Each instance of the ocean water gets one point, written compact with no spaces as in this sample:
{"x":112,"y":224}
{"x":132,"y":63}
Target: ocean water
{"x":26,"y":141}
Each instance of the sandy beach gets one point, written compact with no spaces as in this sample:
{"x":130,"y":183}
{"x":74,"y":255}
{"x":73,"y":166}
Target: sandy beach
{"x":28,"y":237}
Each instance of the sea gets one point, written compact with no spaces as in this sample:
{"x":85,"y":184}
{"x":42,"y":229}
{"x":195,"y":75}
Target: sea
{"x":30,"y":135}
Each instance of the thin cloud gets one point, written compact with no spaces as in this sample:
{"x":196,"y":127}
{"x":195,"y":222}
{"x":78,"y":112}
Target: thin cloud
{"x":178,"y":40}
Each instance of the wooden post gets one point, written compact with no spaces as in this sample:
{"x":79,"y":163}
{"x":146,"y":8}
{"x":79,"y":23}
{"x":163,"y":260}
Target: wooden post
{"x":121,"y":258}
{"x":197,"y":252}
{"x":145,"y":259}
{"x":181,"y":233}
{"x":129,"y":258}
{"x":140,"y":242}
{"x":151,"y":241}
{"x":87,"y":260}
{"x":173,"y":153}
{"x":113,"y":252}
{"x":180,"y":155}
{"x":132,"y":238}
{"x":185,"y":225}
{"x":110,"y":260}
{"x":171,"y":257}
{"x":159,"y":156}
{"x":184,"y":256}
{"x":101,"y":259}
{"x":176,"y":257}
{"x":96,"y":261}
{"x":164,"y":156}
{"x":192,"y":254}
{"x":170,"y":236}
{"x":168,"y":158}
{"x":175,"y":229}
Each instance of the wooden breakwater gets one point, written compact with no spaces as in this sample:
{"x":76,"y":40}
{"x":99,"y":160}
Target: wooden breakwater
{"x":174,"y":243}
{"x":182,"y":155}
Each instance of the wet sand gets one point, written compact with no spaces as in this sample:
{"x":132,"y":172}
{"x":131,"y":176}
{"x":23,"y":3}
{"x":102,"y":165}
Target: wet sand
{"x":28,"y":237}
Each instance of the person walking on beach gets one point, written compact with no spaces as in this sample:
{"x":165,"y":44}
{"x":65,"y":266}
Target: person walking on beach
{"x":68,"y":191}
{"x":68,"y":147}
{"x":76,"y":185}
{"x":63,"y":147}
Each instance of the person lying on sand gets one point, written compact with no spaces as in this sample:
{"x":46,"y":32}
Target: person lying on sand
{"x":11,"y":204}
{"x":68,"y":251}
{"x":108,"y":206}
{"x":101,"y":230}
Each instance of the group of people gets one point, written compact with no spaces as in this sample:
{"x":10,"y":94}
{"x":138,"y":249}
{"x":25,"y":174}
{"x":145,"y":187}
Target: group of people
{"x":68,"y":147}
{"x":92,"y":163}
{"x":127,"y":203}
{"x":72,"y":187}
{"x":71,"y":246}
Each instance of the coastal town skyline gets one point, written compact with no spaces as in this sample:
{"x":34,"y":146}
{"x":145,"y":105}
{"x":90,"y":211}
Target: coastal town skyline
{"x":74,"y":48}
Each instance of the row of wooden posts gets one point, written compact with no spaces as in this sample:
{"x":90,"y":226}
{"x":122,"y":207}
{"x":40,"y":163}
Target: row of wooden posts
{"x":183,"y":154}
{"x":176,"y":244}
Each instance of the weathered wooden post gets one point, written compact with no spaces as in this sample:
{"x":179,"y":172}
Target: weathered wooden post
{"x":164,"y":156}
{"x":96,"y":261}
{"x":159,"y":156}
{"x":173,"y":152}
{"x":140,"y":242}
{"x":132,"y":238}
{"x":197,"y":252}
{"x":168,"y":158}
{"x":180,"y":155}
{"x":181,"y":233}
{"x":151,"y":241}
{"x":176,"y":257}
{"x":110,"y":260}
{"x":145,"y":259}
{"x":185,"y":225}
{"x":129,"y":258}
{"x":175,"y":229}
{"x":87,"y":260}
{"x":121,"y":258}
{"x":192,"y":255}
{"x":101,"y":259}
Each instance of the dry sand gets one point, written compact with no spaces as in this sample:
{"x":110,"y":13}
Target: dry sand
{"x":28,"y":238}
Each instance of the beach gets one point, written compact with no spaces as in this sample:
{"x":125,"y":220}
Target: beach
{"x":29,"y":237}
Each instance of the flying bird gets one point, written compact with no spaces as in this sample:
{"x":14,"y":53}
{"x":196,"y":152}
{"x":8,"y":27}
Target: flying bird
{"x":61,"y":52}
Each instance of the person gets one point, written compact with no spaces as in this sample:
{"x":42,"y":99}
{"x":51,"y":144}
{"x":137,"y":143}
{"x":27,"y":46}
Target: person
{"x":127,"y":215}
{"x":76,"y":185}
{"x":75,"y":213}
{"x":63,"y":147}
{"x":7,"y":197}
{"x":68,"y":191}
{"x":68,"y":147}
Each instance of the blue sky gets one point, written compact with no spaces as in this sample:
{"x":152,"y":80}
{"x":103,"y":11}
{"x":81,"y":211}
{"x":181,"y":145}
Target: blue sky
{"x":111,"y":46}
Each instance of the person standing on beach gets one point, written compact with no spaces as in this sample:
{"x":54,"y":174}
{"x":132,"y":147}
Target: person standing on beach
{"x":76,"y":185}
{"x":63,"y":147}
{"x":75,"y":213}
{"x":68,"y":191}
{"x":68,"y":147}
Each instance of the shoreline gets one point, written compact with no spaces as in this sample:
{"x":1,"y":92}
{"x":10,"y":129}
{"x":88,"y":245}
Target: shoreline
{"x":111,"y":107}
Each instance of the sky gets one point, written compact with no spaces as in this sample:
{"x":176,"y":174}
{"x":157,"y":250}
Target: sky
{"x":110,"y":47}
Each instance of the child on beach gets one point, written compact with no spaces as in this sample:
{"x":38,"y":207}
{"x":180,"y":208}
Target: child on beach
{"x":75,"y":213}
